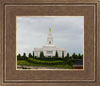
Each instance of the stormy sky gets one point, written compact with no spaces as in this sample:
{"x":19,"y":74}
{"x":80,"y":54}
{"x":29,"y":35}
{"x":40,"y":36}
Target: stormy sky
{"x":32,"y":32}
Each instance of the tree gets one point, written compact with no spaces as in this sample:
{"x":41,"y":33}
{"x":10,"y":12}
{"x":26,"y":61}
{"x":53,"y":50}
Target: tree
{"x":56,"y":55}
{"x":33,"y":54}
{"x":19,"y":57}
{"x":41,"y":55}
{"x":74,"y":56}
{"x":24,"y":56}
{"x":79,"y":56}
{"x":82,"y":55}
{"x":30,"y":55}
{"x":67,"y":57}
{"x":62,"y":54}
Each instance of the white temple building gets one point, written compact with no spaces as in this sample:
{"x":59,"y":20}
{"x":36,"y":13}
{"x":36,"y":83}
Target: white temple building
{"x":50,"y":49}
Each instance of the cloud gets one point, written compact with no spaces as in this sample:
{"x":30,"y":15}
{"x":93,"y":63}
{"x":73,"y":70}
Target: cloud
{"x":67,"y":32}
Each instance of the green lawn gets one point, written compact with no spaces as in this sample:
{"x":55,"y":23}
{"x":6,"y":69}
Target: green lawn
{"x":39,"y":63}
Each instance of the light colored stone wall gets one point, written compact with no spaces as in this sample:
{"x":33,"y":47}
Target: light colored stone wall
{"x":54,"y":49}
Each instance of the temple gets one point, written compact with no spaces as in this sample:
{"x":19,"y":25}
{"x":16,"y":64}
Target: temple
{"x":50,"y":49}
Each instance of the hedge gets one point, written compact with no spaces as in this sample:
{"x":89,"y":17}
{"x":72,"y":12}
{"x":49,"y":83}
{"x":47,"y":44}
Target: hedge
{"x":31,"y":60}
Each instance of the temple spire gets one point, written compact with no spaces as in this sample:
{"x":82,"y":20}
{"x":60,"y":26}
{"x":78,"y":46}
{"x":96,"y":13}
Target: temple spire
{"x":49,"y":29}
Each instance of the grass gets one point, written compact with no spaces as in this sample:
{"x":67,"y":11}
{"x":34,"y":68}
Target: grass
{"x":27,"y":63}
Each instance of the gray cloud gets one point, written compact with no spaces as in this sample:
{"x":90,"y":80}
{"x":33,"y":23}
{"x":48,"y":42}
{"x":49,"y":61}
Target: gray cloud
{"x":67,"y":32}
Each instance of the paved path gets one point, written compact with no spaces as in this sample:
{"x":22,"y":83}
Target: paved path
{"x":35,"y":67}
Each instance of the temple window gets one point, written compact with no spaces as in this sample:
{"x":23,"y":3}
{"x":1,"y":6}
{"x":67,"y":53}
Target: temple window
{"x":49,"y":52}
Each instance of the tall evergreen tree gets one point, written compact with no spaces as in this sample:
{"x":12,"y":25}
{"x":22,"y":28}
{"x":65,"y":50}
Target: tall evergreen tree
{"x":79,"y":56}
{"x":33,"y":54}
{"x":19,"y":57}
{"x":74,"y":56}
{"x":41,"y":54}
{"x":67,"y":55}
{"x":82,"y":56}
{"x":24,"y":56}
{"x":62,"y":54}
{"x":30,"y":55}
{"x":56,"y":56}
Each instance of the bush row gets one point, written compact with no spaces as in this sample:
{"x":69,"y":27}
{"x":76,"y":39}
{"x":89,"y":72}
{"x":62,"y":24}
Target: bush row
{"x":45,"y":62}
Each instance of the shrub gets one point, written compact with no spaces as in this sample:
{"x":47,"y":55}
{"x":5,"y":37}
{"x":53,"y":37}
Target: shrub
{"x":31,"y":60}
